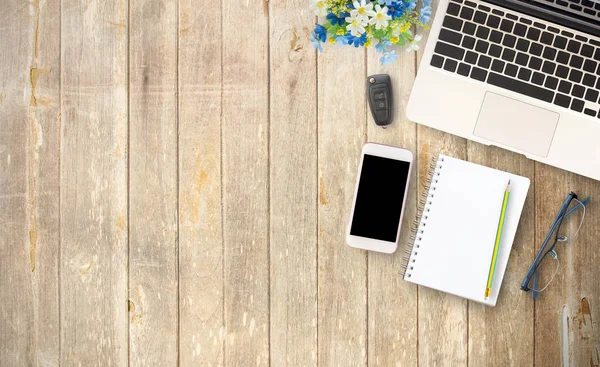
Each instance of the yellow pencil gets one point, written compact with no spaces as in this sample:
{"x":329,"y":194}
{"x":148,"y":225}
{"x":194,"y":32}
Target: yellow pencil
{"x":488,"y":288}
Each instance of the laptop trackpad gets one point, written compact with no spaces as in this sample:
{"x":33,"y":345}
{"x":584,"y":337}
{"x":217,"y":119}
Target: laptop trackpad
{"x":516,"y":124}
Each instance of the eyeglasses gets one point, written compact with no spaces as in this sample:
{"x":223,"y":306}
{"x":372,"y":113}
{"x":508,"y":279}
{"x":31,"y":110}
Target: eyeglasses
{"x":565,"y":228}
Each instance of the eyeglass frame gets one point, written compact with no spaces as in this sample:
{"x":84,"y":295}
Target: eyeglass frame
{"x":555,"y":228}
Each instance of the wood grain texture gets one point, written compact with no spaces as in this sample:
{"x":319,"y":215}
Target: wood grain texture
{"x":492,"y":330}
{"x":245,"y":146}
{"x":153,"y":318}
{"x":567,"y":312}
{"x":200,"y":192}
{"x":392,"y":301}
{"x":342,"y":276}
{"x":29,"y":158}
{"x":293,"y":186}
{"x":443,"y":319}
{"x":93,"y":187}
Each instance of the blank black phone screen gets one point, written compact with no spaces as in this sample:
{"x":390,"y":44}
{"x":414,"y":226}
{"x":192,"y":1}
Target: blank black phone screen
{"x":379,"y":198}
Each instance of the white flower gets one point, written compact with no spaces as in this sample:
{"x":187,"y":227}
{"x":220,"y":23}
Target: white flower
{"x":381,"y":17}
{"x":414,"y":44}
{"x":318,"y":7}
{"x":363,"y":10}
{"x":357,"y":24}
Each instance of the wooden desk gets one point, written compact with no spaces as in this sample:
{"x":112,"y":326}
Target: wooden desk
{"x":175,"y":180}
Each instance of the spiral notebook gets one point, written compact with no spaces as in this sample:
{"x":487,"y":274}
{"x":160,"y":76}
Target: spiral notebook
{"x":454,"y":237}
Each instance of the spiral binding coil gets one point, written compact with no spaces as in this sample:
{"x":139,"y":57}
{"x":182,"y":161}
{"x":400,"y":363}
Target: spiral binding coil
{"x":420,"y":222}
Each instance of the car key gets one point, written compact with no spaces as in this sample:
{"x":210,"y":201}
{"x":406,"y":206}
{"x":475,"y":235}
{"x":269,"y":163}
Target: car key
{"x":379,"y":92}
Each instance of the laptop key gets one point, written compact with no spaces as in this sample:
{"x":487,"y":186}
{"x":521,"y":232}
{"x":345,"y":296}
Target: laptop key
{"x":592,"y":95}
{"x":577,"y":105}
{"x":468,"y":42}
{"x":464,"y":69}
{"x":495,"y":51}
{"x":565,"y":87}
{"x":533,"y":34}
{"x":562,"y":100}
{"x":547,"y":38}
{"x":449,"y":50}
{"x":576,"y":61}
{"x":452,"y":23}
{"x":509,"y":40}
{"x":524,"y":74}
{"x":508,"y":55}
{"x":507,"y":25}
{"x":437,"y":61}
{"x":578,"y":91}
{"x":590,"y":66}
{"x":520,"y":30}
{"x":523,"y":45}
{"x":549,"y":53}
{"x":480,"y":17}
{"x":450,"y":65}
{"x":471,"y":57}
{"x":522,"y":59}
{"x":482,"y":32}
{"x":563,"y":57}
{"x":587,"y":50}
{"x":574,"y":46}
{"x":597,"y":54}
{"x":450,"y":36}
{"x":551,"y":82}
{"x":478,"y":74}
{"x":469,"y":28}
{"x":549,"y":67}
{"x":518,"y":86}
{"x":511,"y":70}
{"x":484,"y":61}
{"x":536,"y":49}
{"x":535,"y":63}
{"x":562,"y":71}
{"x":466,"y":13}
{"x":498,"y":66}
{"x":589,"y":112}
{"x":538,"y":78}
{"x":493,"y":21}
{"x":560,"y":42}
{"x":575,"y":76}
{"x":496,"y":36}
{"x":482,"y":46}
{"x":453,"y":9}
{"x":589,"y":80}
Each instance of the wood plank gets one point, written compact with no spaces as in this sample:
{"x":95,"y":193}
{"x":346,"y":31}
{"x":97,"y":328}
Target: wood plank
{"x":29,"y":160}
{"x":566,"y":313}
{"x":492,"y":330}
{"x":200,"y":237}
{"x":94,"y":216}
{"x":153,"y":334}
{"x":293,"y":203}
{"x":245,"y":147}
{"x":342,"y":276}
{"x":443,"y":318}
{"x":392,"y":301}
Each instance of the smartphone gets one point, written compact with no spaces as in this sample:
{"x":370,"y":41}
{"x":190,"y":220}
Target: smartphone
{"x":379,"y":198}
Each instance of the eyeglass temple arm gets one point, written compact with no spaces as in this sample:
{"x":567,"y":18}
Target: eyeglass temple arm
{"x":556,"y":222}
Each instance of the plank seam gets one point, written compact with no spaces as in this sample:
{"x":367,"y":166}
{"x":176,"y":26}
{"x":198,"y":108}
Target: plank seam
{"x":128,"y":175}
{"x":178,"y":341}
{"x":316,"y":55}
{"x":60,"y":135}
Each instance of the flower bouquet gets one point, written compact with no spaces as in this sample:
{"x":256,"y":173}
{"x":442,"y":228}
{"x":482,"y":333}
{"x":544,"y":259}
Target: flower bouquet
{"x":364,"y":22}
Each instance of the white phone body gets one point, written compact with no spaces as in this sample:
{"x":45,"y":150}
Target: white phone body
{"x":371,"y":243}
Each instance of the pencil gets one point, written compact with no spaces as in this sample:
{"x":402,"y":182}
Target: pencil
{"x":488,"y":288}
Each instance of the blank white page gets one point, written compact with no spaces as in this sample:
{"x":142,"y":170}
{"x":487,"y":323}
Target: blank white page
{"x":454,"y":251}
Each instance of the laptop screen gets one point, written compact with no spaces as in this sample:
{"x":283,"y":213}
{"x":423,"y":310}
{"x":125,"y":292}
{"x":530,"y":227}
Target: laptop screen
{"x":582,"y":15}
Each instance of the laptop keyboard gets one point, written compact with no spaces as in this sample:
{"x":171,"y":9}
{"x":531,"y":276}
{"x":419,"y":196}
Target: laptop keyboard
{"x":521,"y":55}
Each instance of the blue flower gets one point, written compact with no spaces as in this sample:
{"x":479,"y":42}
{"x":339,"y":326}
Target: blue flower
{"x":314,"y":40}
{"x":410,"y":5}
{"x":425,"y":14}
{"x":386,"y":2}
{"x":357,"y":41}
{"x":388,"y":57}
{"x":383,"y":45}
{"x":321,"y":33}
{"x":338,"y":19}
{"x":341,"y":40}
{"x":396,"y":10}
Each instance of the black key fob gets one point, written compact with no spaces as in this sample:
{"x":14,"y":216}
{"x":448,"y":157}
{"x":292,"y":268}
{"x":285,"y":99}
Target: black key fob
{"x":379,"y":92}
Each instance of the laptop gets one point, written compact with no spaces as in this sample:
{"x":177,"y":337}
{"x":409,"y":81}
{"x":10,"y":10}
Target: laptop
{"x":521,"y":75}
